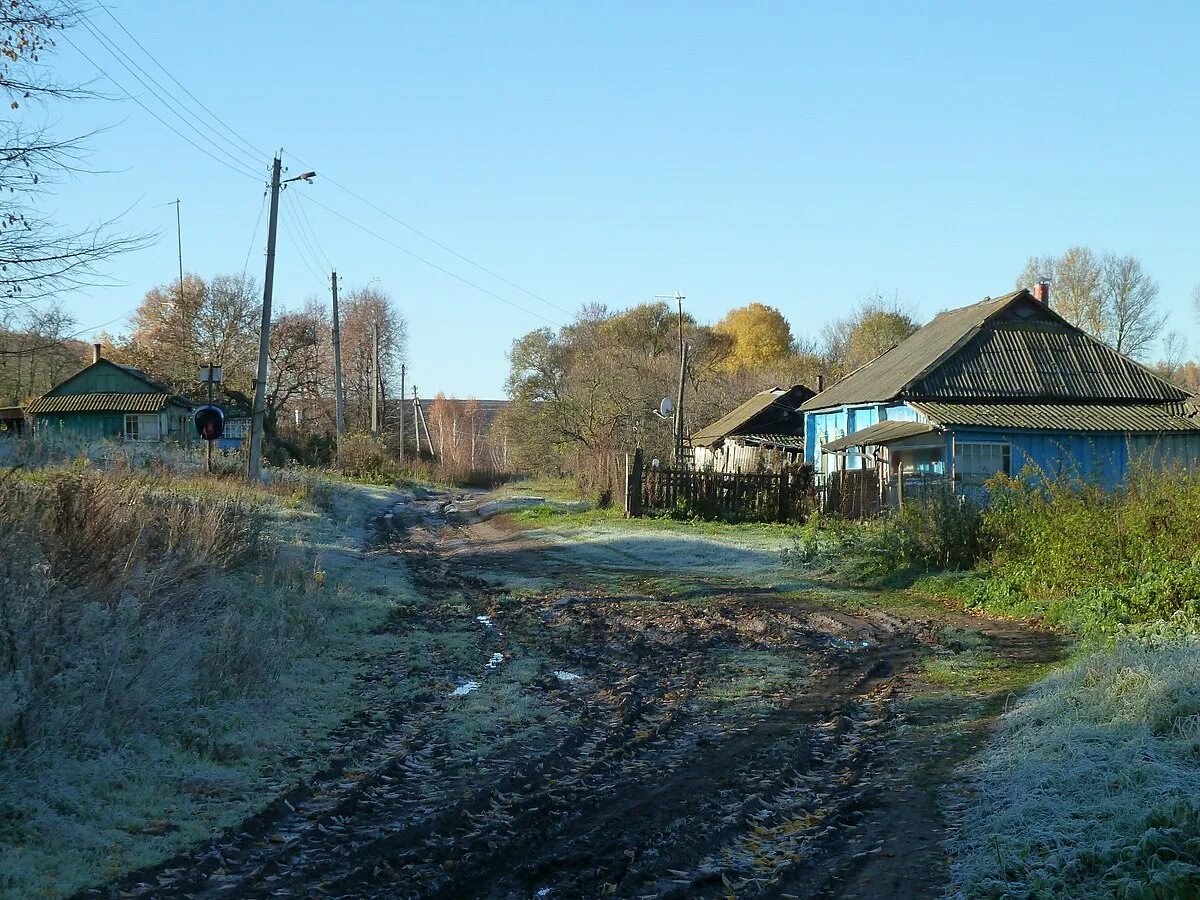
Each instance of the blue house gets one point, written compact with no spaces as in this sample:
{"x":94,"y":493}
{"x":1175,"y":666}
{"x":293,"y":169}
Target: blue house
{"x":993,"y":387}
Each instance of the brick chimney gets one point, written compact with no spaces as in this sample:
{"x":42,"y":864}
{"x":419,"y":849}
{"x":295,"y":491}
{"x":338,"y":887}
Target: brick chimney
{"x":96,"y":354}
{"x":820,"y":382}
{"x":1041,"y":292}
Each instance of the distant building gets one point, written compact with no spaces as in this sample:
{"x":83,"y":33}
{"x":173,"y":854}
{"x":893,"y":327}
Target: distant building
{"x":109,"y":401}
{"x":993,"y":387}
{"x":766,"y":433}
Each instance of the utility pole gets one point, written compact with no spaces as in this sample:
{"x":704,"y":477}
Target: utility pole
{"x":401,"y":411}
{"x":679,"y":398}
{"x":417,"y":420}
{"x":339,"y":398}
{"x":258,"y":414}
{"x":179,"y":240}
{"x":375,"y":379}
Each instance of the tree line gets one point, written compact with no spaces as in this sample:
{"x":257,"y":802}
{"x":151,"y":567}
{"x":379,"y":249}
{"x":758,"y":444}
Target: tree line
{"x":583,"y":395}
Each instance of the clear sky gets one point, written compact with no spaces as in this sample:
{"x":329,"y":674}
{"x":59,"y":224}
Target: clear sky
{"x":802,"y":155}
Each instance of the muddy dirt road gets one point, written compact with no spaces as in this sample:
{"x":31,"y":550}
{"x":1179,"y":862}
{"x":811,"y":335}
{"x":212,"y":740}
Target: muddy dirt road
{"x":622,"y":719}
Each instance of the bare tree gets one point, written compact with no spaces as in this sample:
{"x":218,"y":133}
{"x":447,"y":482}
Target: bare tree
{"x":1110,"y":296}
{"x":1132,"y":321}
{"x":1077,"y":278}
{"x":37,"y":256}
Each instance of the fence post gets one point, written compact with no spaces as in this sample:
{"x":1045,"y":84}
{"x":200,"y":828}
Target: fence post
{"x":633,"y":484}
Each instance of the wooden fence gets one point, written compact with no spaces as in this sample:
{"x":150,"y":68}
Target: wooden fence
{"x":735,"y":497}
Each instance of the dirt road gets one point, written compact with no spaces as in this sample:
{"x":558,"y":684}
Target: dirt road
{"x":641,"y":719}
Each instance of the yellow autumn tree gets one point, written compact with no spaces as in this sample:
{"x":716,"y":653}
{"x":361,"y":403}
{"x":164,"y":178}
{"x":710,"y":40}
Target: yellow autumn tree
{"x":759,"y":336}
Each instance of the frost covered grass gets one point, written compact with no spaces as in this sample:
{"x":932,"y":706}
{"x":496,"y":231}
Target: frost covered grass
{"x":1092,"y":785}
{"x":173,"y":651}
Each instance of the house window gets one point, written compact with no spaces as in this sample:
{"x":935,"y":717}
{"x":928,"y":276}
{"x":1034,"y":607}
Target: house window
{"x":975,"y":463}
{"x":141,"y":428}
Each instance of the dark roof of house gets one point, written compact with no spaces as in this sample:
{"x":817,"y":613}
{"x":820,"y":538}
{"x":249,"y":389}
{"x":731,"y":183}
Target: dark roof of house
{"x":1008,"y":348}
{"x":1124,"y":417}
{"x":773,"y":411}
{"x":137,"y":402}
{"x":877,"y":434}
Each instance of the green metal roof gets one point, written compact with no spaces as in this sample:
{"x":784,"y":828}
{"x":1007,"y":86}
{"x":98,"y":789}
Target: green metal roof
{"x":1143,"y":417}
{"x":877,"y":434}
{"x":147,"y":402}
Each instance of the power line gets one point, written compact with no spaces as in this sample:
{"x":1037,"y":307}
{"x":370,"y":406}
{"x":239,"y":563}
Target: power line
{"x":254,"y":236}
{"x":166,"y":98}
{"x":434,"y":240}
{"x":312,"y":232}
{"x":293,"y":232}
{"x":161,"y":121}
{"x":119,"y":54}
{"x":215,"y":117}
{"x":427,"y":262}
{"x":67,"y":337}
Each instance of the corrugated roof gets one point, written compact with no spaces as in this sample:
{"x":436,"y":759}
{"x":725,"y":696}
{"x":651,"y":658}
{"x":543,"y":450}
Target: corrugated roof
{"x":1009,"y":348}
{"x":741,"y":419}
{"x":879,"y":433}
{"x":1139,"y":417}
{"x":100,"y":402}
{"x":888,"y":375}
{"x":774,"y":440}
{"x":1043,"y":361}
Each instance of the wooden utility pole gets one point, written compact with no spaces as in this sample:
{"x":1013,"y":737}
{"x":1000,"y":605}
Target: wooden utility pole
{"x":417,"y":420}
{"x":401,"y":410}
{"x":375,"y":379}
{"x":339,"y":397}
{"x":264,"y":332}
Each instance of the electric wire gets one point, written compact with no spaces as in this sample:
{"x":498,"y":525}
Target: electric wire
{"x":238,"y":157}
{"x":155,"y":115}
{"x":254,"y":236}
{"x":257,"y":152}
{"x":433,"y":240}
{"x":310,"y":238}
{"x":288,"y":220}
{"x":427,"y":262}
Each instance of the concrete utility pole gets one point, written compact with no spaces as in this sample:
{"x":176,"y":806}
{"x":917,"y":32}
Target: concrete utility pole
{"x":401,"y":410}
{"x":679,"y":397}
{"x":258,"y":414}
{"x":339,"y":398}
{"x":179,"y":240}
{"x":375,"y":379}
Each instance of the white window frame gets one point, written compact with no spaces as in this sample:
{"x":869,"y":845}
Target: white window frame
{"x":131,"y":434}
{"x":965,"y":449}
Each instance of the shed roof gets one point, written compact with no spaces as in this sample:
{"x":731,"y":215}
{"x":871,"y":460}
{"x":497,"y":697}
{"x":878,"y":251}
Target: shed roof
{"x":772,"y":411}
{"x":1124,"y":417}
{"x":1008,"y":348}
{"x":877,"y":434}
{"x":139,"y":402}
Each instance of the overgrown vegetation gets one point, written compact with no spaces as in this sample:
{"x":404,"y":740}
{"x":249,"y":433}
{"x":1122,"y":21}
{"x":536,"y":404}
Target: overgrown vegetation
{"x":152,"y":632}
{"x":1090,"y":789}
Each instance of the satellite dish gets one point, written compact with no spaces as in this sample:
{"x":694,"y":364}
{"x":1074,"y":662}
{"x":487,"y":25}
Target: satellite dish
{"x":665,"y":408}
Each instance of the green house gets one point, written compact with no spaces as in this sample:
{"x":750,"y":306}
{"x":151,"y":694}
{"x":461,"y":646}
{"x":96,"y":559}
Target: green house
{"x":109,"y":401}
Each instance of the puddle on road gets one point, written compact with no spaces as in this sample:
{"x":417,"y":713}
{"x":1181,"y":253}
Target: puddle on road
{"x":463,"y":689}
{"x":496,"y":659}
{"x":843,"y":644}
{"x":566,"y":676}
{"x":485,"y":621}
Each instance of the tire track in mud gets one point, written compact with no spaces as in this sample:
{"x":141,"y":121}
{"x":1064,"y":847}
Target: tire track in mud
{"x":647,"y":787}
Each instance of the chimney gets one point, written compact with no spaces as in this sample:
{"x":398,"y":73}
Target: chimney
{"x":96,"y":354}
{"x":1041,"y":292}
{"x":820,"y":382}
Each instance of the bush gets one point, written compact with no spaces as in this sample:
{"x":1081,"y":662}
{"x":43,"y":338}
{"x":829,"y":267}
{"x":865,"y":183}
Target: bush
{"x":1092,"y":561}
{"x":939,"y":532}
{"x":111,"y":615}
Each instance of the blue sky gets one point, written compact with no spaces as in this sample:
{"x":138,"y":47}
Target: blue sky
{"x":796,"y":154}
